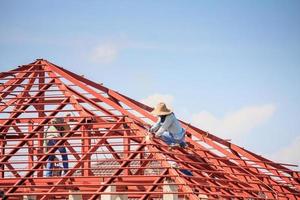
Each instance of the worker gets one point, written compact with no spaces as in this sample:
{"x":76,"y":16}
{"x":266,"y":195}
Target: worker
{"x":168,"y":127}
{"x":56,"y":130}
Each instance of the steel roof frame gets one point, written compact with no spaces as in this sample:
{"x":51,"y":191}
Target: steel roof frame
{"x":112,"y":126}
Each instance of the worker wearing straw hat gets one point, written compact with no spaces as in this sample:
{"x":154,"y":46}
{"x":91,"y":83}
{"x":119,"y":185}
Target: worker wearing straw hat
{"x":168,"y":127}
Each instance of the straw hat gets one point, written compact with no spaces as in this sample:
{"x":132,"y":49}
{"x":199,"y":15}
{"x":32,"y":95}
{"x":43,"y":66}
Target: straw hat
{"x":161,"y":109}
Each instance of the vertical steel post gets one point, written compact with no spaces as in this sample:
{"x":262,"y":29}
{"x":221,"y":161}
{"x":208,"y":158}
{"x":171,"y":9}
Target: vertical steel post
{"x":2,"y":144}
{"x":86,"y":143}
{"x":41,"y":113}
{"x":126,"y":147}
{"x":30,"y":147}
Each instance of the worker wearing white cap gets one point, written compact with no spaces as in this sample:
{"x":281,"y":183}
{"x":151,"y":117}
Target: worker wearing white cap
{"x":168,"y":127}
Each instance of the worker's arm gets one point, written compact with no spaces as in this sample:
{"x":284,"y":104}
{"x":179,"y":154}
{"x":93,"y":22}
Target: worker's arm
{"x":156,"y":126}
{"x":165,"y":126}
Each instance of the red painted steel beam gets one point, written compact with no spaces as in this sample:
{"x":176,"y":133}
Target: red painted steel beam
{"x":253,"y":173}
{"x":12,"y":84}
{"x":71,"y":171}
{"x":20,"y":111}
{"x":238,"y":174}
{"x":43,"y":158}
{"x":173,"y":172}
{"x":12,"y":72}
{"x":118,"y":172}
{"x":154,"y":185}
{"x":79,"y":81}
{"x":134,"y":104}
{"x":83,"y":111}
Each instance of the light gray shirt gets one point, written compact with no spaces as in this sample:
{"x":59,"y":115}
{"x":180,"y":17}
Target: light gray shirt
{"x":171,"y":125}
{"x":52,"y":132}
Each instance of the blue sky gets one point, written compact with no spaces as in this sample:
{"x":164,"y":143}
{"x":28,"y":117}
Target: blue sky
{"x":229,"y":67}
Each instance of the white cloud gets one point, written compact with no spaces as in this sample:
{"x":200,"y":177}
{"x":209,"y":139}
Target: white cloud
{"x":234,"y":124}
{"x":154,"y":99}
{"x":109,"y":50}
{"x":105,"y":53}
{"x":289,"y":154}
